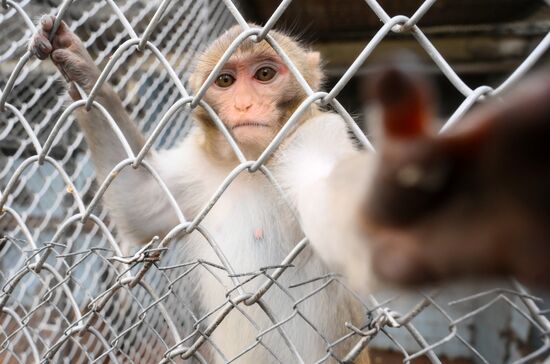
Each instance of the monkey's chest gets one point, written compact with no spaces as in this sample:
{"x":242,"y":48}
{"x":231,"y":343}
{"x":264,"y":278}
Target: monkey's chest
{"x":252,"y":227}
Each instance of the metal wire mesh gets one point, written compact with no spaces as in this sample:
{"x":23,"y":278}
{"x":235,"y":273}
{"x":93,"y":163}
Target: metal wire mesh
{"x":68,"y":293}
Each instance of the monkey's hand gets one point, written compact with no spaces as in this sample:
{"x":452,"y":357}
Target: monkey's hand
{"x":67,"y":52}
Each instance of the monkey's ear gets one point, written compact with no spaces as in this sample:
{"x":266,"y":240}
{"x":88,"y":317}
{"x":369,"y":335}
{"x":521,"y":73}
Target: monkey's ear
{"x":405,"y":103}
{"x":314,"y":65}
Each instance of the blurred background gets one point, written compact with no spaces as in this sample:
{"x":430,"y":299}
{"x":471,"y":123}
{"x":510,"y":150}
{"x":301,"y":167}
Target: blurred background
{"x":483,"y":40}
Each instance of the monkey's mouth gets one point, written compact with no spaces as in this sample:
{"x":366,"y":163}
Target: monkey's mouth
{"x":249,"y":124}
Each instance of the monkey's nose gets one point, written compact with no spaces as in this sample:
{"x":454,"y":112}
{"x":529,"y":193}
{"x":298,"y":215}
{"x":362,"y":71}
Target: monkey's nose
{"x":243,"y":107}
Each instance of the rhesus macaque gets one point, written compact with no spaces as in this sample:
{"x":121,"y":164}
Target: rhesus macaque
{"x":473,"y":200}
{"x":254,"y":95}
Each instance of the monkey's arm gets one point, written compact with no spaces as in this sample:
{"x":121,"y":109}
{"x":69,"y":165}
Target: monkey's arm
{"x":129,"y":197}
{"x":75,"y":63}
{"x":329,"y":208}
{"x":325,"y":177}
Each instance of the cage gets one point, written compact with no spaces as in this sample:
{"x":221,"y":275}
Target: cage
{"x":70,"y":294}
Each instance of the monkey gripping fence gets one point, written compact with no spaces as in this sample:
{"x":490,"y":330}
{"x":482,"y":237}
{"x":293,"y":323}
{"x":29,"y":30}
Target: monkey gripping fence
{"x":56,"y":240}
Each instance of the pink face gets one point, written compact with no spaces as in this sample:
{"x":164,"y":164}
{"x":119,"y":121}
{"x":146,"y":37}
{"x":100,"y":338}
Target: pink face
{"x":249,"y":95}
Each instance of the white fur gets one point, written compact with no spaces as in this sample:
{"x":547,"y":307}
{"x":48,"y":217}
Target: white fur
{"x":326,"y":177}
{"x":304,"y":165}
{"x":307,"y":158}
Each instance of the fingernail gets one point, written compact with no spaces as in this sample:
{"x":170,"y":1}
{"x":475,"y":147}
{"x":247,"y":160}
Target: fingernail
{"x":46,"y":20}
{"x":43,"y":48}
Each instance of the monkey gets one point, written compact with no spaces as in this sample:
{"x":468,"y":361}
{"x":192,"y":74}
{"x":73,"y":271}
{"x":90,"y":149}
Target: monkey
{"x":254,"y":95}
{"x":472,"y":201}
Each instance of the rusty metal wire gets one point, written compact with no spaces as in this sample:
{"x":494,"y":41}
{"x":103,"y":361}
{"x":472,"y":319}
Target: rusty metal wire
{"x":70,"y":295}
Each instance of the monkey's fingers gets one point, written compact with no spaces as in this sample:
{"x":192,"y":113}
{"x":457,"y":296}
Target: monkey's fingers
{"x":63,"y":36}
{"x":401,"y":263}
{"x":68,"y":64}
{"x":73,"y":92}
{"x":39,"y":45}
{"x":75,"y":68}
{"x":405,"y":101}
{"x":46,"y":22}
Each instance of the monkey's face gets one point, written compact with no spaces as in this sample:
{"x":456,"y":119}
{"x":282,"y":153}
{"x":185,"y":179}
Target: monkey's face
{"x":250,"y":95}
{"x":254,"y":93}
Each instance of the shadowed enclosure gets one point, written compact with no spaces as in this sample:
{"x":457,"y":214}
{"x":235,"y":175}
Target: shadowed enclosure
{"x":70,"y":294}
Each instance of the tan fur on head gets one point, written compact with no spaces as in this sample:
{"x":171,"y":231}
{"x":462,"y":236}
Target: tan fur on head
{"x":308,"y":63}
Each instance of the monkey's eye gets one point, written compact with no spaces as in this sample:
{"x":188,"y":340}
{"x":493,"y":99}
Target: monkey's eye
{"x":265,"y":74}
{"x":225,"y":80}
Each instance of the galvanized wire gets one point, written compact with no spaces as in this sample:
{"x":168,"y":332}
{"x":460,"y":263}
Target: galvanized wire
{"x":68,"y":293}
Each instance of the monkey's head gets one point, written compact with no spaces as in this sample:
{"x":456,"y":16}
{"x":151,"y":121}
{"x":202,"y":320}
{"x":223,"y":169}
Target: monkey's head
{"x":474,"y":199}
{"x":255,"y":93}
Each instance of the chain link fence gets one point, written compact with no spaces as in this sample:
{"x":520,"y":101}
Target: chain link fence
{"x":69,"y":295}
